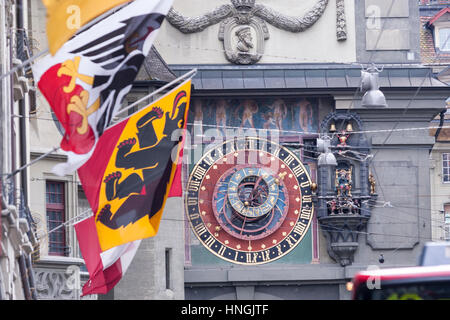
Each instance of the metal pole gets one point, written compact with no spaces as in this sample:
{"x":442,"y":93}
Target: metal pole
{"x":25,"y":63}
{"x":9,"y":176}
{"x":185,"y":76}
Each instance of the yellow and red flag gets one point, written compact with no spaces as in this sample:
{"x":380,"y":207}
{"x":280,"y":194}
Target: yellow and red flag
{"x":66,"y":17}
{"x":127,"y":182}
{"x":87,"y":79}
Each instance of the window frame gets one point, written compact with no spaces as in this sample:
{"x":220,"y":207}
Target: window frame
{"x":58,"y":208}
{"x":444,"y":167}
{"x":439,"y":41}
{"x":446,"y":226}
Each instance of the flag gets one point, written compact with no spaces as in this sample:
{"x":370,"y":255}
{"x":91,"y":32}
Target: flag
{"x":87,"y":79}
{"x":65,"y":17}
{"x":127,"y":182}
{"x":105,"y":268}
{"x":177,"y":189}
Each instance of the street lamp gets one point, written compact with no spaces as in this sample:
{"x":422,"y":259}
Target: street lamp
{"x":373,"y":98}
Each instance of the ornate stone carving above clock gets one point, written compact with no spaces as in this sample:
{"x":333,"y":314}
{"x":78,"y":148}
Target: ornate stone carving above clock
{"x":243,"y":28}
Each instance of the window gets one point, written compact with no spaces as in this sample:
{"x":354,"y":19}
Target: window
{"x":446,"y":167}
{"x":447,"y":225}
{"x":55,"y":204}
{"x":447,"y":221}
{"x":168,"y":255}
{"x":444,"y":39}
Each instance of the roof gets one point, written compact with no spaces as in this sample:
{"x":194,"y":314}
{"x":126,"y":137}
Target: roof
{"x":438,"y":15}
{"x":226,"y":77}
{"x":428,"y":50}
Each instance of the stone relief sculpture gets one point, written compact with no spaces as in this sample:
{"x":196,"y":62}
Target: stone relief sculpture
{"x":341,"y":21}
{"x":243,"y":26}
{"x":52,"y":285}
{"x":245,"y":40}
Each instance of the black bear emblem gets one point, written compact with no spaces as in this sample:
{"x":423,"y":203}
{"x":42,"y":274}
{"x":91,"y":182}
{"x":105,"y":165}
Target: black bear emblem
{"x":144,"y":196}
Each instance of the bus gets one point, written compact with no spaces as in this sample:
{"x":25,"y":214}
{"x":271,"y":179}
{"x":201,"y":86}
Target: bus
{"x":428,"y":281}
{"x":413,"y":283}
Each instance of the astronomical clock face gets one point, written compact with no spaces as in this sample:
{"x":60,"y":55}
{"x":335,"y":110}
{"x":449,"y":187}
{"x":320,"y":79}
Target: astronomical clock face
{"x":249,"y":201}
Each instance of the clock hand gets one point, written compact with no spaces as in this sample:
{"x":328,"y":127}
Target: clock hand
{"x":243,"y":224}
{"x":255,"y":192}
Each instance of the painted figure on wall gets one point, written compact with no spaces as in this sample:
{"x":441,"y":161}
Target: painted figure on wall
{"x":221,"y":113}
{"x":293,"y":116}
{"x":198,"y":109}
{"x":250,"y":109}
{"x":269,"y":121}
{"x":279,"y":112}
{"x":305,"y":118}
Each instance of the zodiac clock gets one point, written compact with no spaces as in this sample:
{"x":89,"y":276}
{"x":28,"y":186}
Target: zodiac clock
{"x":249,"y":201}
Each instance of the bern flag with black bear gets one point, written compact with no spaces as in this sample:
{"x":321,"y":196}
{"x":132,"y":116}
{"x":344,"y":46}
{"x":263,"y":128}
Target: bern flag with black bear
{"x":127,"y":182}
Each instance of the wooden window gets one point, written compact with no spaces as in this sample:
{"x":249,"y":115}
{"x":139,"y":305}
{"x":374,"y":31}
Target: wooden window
{"x":56,"y":216}
{"x":446,"y":167}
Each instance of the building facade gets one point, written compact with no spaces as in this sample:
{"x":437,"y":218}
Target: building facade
{"x":435,"y":21}
{"x":18,"y":238}
{"x":293,"y":71}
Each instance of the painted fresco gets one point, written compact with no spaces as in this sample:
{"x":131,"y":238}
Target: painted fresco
{"x":291,"y":116}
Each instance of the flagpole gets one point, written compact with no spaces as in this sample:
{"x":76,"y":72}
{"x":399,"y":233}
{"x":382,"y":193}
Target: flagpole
{"x":189,"y":74}
{"x":83,"y":216}
{"x":26,"y":62}
{"x":12,"y":174}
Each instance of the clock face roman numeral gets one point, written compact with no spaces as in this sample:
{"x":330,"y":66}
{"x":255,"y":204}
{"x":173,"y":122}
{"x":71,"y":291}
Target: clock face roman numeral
{"x":252,"y":257}
{"x":212,"y":156}
{"x":192,"y":201}
{"x":265,"y":255}
{"x":210,"y":241}
{"x":306,"y":213}
{"x":300,"y":228}
{"x":200,"y":229}
{"x":194,"y":186}
{"x":289,"y":159}
{"x":298,"y":170}
{"x":306,"y":184}
{"x":199,"y":173}
{"x":222,"y":249}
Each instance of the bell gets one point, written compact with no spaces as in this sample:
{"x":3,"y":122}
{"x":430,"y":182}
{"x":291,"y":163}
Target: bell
{"x":349,"y":127}
{"x":333,"y":128}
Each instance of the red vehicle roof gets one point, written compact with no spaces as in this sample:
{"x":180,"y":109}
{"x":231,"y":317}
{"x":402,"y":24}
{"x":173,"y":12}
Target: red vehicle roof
{"x":421,"y":273}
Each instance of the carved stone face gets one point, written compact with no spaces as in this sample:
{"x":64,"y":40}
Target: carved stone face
{"x":244,"y":39}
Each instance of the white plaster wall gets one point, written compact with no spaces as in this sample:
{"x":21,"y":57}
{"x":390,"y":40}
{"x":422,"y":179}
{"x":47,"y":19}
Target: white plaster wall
{"x":44,"y":134}
{"x":315,"y":45}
